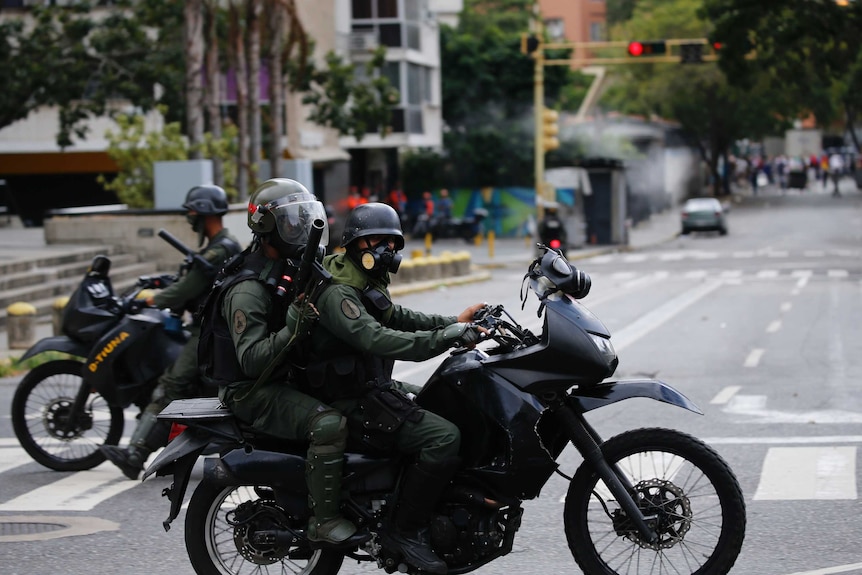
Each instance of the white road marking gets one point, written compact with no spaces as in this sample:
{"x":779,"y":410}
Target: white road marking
{"x":802,"y":473}
{"x":767,"y":274}
{"x":76,"y":492}
{"x":654,"y":319}
{"x":773,"y":326}
{"x":753,"y":358}
{"x":786,"y":306}
{"x":753,"y":408}
{"x":731,"y":274}
{"x":12,"y":457}
{"x":837,"y":274}
{"x":831,"y":570}
{"x":725,"y":394}
{"x":695,"y":274}
{"x":784,"y":440}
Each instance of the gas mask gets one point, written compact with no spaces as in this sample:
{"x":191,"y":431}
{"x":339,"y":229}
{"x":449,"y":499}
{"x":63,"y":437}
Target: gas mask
{"x":379,"y":259}
{"x":196,"y":221}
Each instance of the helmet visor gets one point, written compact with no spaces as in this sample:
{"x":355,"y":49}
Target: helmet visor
{"x":294,"y":219}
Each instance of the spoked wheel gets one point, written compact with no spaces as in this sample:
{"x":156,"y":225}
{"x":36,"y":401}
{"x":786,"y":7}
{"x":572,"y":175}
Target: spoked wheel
{"x":236,"y":530}
{"x":694,"y":499}
{"x":48,"y":426}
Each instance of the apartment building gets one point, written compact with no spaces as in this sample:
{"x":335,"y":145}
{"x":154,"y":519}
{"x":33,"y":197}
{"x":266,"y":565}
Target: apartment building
{"x":30,"y":160}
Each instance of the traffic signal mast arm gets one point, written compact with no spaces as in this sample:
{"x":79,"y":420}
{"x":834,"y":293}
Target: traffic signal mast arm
{"x":635,"y":51}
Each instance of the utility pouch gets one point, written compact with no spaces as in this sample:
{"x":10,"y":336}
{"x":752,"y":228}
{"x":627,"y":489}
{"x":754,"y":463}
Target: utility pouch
{"x":380,"y":413}
{"x":338,"y":378}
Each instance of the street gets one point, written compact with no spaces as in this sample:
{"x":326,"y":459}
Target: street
{"x":760,"y":328}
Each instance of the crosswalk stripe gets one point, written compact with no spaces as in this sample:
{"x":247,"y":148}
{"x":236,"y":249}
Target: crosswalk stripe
{"x":10,"y":458}
{"x":77,"y":492}
{"x":801,"y":473}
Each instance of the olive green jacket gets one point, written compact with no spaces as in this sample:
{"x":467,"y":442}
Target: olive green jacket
{"x":246,"y":308}
{"x":197,"y":282}
{"x":345,"y":326}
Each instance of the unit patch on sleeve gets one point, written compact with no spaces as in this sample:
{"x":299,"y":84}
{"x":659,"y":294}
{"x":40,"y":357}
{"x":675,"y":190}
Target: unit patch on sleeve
{"x":349,"y":309}
{"x":239,"y":321}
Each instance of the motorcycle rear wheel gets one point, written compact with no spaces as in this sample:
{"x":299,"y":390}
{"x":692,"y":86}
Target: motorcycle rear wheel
{"x":212,"y":542}
{"x":695,"y":494}
{"x":45,"y":426}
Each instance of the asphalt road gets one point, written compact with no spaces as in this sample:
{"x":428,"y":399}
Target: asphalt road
{"x":760,"y":328}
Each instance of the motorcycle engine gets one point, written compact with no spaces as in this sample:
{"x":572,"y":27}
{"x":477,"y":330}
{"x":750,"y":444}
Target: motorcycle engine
{"x":465,"y":534}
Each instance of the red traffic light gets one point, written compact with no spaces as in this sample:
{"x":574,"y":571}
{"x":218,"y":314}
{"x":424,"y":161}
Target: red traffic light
{"x":652,"y":48}
{"x":716,"y":46}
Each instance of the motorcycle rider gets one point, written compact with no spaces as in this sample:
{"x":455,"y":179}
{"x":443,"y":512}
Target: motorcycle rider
{"x":205,"y":205}
{"x":250,"y":328}
{"x":359,"y":335}
{"x":553,"y":228}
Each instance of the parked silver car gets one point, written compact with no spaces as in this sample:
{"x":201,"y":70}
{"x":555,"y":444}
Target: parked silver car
{"x":702,"y":215}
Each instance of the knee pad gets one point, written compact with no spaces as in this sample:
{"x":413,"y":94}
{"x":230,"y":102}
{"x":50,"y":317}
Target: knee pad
{"x":328,"y":428}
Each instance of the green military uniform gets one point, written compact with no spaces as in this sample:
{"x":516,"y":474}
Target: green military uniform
{"x":275,"y":407}
{"x":347,"y":328}
{"x":180,"y":380}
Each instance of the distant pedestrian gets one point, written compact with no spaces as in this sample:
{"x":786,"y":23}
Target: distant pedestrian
{"x":836,"y":168}
{"x":444,"y":205}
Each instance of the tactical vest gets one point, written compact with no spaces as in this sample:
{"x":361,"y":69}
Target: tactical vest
{"x":354,"y":374}
{"x":231,"y":249}
{"x":217,"y":361}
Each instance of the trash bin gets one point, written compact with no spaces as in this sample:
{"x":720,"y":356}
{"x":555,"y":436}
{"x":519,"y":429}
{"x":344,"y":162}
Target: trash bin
{"x":605,"y":208}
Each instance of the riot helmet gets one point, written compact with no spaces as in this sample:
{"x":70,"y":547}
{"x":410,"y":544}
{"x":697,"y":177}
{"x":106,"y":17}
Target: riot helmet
{"x":374,"y":219}
{"x":202,"y":201}
{"x":282,"y":212}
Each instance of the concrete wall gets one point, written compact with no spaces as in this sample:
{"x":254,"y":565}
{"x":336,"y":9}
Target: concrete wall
{"x":138,"y":233}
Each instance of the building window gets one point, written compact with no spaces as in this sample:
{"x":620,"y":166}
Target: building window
{"x":556,"y":29}
{"x":390,"y":35}
{"x":413,"y":10}
{"x":597,"y":32}
{"x":392,"y":72}
{"x":414,"y":36}
{"x":387,"y":8}
{"x":362,"y":9}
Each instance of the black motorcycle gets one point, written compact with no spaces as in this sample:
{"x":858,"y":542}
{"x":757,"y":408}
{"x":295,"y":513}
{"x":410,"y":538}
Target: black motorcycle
{"x":646,"y":501}
{"x":114,"y":350}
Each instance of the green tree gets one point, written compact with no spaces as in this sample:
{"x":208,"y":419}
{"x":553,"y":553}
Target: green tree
{"x":135,"y":149}
{"x":713,"y":112}
{"x":355,"y":99}
{"x":487,"y":97}
{"x":811,"y":48}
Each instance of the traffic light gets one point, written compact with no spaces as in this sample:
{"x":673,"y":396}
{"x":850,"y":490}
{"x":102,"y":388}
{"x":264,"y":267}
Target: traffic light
{"x":691,"y":53}
{"x":550,"y":129}
{"x":652,"y":48}
{"x":529,"y":44}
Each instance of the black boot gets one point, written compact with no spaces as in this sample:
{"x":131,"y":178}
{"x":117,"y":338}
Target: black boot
{"x":149,"y":435}
{"x":421,"y":488}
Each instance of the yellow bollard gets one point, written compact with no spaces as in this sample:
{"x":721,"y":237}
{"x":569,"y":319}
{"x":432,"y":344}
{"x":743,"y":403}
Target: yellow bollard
{"x":477,"y":241}
{"x":416,"y":254}
{"x":428,"y":240}
{"x":491,"y":244}
{"x":57,"y":314}
{"x":20,"y":325}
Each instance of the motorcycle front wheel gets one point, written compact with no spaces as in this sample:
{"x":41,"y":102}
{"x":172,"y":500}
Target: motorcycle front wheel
{"x":48,"y":426}
{"x":694,"y":496}
{"x":225,"y":528}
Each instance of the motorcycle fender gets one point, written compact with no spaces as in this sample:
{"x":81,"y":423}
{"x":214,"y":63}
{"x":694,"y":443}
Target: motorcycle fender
{"x":59,"y":343}
{"x":589,"y":398}
{"x":178,"y":458}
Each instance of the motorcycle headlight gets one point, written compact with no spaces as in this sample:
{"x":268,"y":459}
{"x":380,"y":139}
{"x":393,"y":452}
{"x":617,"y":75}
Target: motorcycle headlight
{"x":605,"y":347}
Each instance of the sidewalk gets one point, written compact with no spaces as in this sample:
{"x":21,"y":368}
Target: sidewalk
{"x":18,"y":243}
